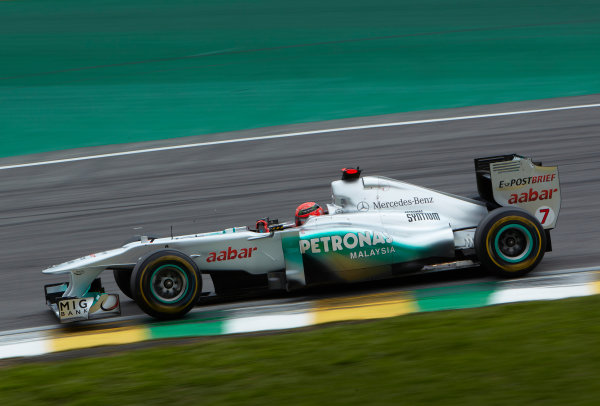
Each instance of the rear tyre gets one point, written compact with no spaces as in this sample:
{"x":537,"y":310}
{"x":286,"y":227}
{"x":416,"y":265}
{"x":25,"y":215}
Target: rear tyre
{"x":166,"y":284}
{"x":123,"y":279}
{"x":510,"y":242}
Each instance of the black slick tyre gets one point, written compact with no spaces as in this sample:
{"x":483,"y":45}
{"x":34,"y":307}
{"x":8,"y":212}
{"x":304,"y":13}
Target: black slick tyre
{"x":510,"y":242}
{"x":123,"y":276}
{"x":166,"y":284}
{"x":123,"y":279}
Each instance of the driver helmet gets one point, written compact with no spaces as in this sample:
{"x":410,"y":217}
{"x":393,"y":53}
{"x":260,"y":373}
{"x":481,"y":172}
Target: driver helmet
{"x":307,"y":209}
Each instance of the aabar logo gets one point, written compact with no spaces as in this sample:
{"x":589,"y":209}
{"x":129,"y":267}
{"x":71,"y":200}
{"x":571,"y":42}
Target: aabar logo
{"x":532,"y":196}
{"x":348,"y":241}
{"x":230,"y":254}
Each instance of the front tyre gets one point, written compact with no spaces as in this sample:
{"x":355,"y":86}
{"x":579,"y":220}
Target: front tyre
{"x":166,"y":284}
{"x":510,"y":242}
{"x":123,"y":276}
{"x":123,"y":280}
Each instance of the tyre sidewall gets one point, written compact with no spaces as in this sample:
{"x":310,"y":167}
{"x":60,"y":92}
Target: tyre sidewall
{"x":149,"y":301}
{"x":123,"y":280}
{"x":487,"y":247}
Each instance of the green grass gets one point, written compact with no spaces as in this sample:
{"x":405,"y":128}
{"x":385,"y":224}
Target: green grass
{"x":83,"y":73}
{"x":520,"y":354}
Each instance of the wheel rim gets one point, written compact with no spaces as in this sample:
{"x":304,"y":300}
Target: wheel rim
{"x":169,"y":283}
{"x":513,"y":243}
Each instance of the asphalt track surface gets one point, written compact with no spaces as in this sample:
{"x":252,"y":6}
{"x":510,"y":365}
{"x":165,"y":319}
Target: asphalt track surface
{"x":53,"y":213}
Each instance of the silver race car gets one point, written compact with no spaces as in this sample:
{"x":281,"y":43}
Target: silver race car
{"x":375,"y":228}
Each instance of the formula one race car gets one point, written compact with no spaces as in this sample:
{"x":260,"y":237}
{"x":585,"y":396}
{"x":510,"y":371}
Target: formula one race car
{"x":375,"y":228}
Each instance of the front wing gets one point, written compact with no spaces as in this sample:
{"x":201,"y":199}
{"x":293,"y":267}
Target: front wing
{"x":95,"y":304}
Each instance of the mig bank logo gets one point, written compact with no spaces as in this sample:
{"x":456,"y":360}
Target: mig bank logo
{"x":362,"y":206}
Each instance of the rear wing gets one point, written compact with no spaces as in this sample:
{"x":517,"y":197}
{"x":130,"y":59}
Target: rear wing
{"x":513,"y":180}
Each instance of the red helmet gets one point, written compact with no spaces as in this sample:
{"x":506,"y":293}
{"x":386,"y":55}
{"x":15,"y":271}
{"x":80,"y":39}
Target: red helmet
{"x":305,"y":210}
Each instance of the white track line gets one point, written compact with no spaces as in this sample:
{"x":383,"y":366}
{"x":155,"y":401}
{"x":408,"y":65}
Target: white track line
{"x":296,"y":134}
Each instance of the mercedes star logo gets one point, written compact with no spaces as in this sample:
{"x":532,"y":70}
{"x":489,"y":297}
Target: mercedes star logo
{"x":362,"y":206}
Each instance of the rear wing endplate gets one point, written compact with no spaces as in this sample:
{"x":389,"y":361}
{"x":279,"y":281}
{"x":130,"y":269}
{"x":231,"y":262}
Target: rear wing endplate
{"x":513,"y":180}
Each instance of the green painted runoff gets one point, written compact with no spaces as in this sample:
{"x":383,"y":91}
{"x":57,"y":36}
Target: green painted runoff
{"x":95,"y":72}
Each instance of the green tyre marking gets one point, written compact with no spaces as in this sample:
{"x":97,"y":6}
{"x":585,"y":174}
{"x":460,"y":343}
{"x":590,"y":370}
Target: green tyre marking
{"x":520,"y":257}
{"x":181,"y":272}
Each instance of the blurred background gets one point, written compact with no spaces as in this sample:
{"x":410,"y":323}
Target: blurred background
{"x":77,"y":74}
